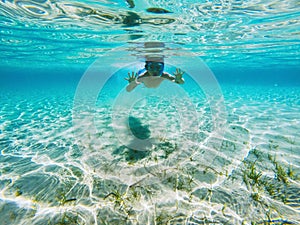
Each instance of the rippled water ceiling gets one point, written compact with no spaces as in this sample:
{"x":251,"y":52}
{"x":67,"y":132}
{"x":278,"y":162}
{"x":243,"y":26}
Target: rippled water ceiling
{"x":219,"y":31}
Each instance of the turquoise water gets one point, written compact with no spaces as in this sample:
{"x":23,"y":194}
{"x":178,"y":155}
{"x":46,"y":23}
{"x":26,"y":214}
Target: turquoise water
{"x":76,"y":148}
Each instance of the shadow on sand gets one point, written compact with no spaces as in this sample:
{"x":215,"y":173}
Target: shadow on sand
{"x":136,"y":150}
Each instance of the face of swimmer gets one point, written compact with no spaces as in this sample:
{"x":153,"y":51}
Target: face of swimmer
{"x":154,"y":68}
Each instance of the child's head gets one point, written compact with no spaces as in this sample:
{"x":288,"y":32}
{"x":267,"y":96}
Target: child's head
{"x":154,"y":68}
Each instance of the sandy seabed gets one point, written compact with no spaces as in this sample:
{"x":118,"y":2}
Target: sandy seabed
{"x":88,"y":169}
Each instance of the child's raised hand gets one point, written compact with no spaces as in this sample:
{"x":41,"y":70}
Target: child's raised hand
{"x":131,"y":77}
{"x":178,"y":76}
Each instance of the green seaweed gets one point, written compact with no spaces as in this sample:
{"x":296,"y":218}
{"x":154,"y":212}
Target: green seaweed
{"x":272,"y":145}
{"x":12,"y":216}
{"x":61,"y":197}
{"x":291,"y":174}
{"x":251,"y":176}
{"x":223,"y":209}
{"x":68,"y":219}
{"x":281,"y":175}
{"x":118,"y":197}
{"x":256,"y":196}
{"x":18,"y":192}
{"x":270,"y":188}
{"x":257,"y":153}
{"x":163,"y":218}
{"x":272,"y":158}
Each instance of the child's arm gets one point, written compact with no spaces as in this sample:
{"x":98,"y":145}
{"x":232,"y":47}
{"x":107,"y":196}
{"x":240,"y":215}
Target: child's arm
{"x":177,"y":78}
{"x":132,"y":79}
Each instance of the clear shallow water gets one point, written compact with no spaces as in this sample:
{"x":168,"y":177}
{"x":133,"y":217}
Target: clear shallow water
{"x":224,"y":150}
